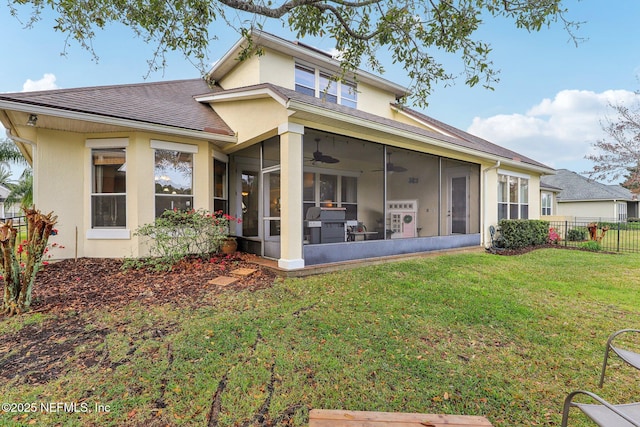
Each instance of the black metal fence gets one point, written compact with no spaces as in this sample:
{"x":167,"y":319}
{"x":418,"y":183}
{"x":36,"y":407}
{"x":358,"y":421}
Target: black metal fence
{"x":599,"y":233}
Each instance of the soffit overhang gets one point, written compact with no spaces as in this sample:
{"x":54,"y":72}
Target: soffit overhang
{"x":80,"y":122}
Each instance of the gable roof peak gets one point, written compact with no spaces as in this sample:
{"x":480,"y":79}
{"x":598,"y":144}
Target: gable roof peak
{"x":300,"y":51}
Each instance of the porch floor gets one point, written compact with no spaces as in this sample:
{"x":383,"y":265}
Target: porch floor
{"x":346,"y":265}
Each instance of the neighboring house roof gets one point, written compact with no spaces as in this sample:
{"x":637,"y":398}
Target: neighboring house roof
{"x":576,"y":187}
{"x":549,"y":187}
{"x":163,"y":103}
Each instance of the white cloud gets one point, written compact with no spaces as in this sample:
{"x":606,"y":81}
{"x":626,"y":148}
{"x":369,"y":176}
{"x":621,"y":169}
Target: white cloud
{"x":558,"y":132}
{"x":47,"y":82}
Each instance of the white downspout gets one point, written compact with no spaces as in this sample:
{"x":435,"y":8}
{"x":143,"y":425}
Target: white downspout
{"x":484,"y":200}
{"x":18,"y":139}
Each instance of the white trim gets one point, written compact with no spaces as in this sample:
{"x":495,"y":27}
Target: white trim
{"x":220,"y":156}
{"x":515,"y":174}
{"x":430,"y":126}
{"x":290,"y":128}
{"x":291,"y":264}
{"x":108,"y":234}
{"x":107,"y":143}
{"x":174,"y":146}
{"x":242,"y":95}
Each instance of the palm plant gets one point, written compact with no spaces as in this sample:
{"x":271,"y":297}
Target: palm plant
{"x":21,"y":190}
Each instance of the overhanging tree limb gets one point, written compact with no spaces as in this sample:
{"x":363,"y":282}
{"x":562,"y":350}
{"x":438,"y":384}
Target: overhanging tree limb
{"x":414,"y":32}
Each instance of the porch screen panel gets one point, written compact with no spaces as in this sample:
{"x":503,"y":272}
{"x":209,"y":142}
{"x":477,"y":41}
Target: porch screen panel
{"x":349,"y":197}
{"x":250,"y":199}
{"x":173,"y":180}
{"x":108,"y":192}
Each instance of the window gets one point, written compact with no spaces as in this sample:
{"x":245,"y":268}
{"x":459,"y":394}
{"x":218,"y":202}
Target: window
{"x":622,"y":211}
{"x":305,"y":80}
{"x":328,"y":88}
{"x":513,"y":197}
{"x":348,"y":94}
{"x":320,"y":84}
{"x":219,"y":185}
{"x":546,"y":202}
{"x":173,"y":180}
{"x":330,"y":191}
{"x":108,"y":188}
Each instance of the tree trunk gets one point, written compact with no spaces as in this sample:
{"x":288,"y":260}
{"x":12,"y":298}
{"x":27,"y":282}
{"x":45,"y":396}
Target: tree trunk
{"x":18,"y":277}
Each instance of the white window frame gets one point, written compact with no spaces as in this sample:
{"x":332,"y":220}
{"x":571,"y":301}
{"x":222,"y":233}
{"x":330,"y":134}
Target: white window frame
{"x":182,"y":148}
{"x":518,"y":177}
{"x":546,"y":203}
{"x":322,"y":90}
{"x":106,"y":233}
{"x":622,"y":211}
{"x":221,"y":157}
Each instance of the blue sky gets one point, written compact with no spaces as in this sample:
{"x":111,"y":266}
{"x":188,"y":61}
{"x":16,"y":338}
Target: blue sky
{"x":548,"y":104}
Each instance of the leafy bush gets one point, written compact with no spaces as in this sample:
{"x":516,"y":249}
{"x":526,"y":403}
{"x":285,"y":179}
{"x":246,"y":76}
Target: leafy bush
{"x":520,"y":233}
{"x":177,"y":234}
{"x":591,"y":245}
{"x":577,"y":234}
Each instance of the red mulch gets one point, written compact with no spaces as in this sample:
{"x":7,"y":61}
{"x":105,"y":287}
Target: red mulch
{"x":93,"y":283}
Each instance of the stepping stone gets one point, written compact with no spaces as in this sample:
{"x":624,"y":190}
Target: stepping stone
{"x":243,"y":271}
{"x":223,"y":281}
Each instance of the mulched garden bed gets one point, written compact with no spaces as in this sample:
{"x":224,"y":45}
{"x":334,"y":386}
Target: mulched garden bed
{"x":94,"y":283}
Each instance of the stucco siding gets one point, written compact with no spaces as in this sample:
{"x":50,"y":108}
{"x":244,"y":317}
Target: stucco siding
{"x":604,"y":209}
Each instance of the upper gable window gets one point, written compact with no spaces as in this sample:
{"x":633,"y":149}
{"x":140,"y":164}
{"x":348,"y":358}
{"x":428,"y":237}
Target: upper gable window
{"x":305,"y":80}
{"x":313,"y":82}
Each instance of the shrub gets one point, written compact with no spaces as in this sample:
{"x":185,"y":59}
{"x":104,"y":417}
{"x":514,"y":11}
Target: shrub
{"x":591,"y":245}
{"x":577,"y":234}
{"x":177,"y":234}
{"x":520,"y":233}
{"x":554,"y":237}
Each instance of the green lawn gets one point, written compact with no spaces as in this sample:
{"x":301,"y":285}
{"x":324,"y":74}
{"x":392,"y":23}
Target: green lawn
{"x":476,"y":334}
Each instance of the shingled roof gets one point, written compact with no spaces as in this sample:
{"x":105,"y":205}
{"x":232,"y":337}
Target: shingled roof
{"x":168,"y":103}
{"x":458,"y":137}
{"x":576,"y":187}
{"x":172,"y":103}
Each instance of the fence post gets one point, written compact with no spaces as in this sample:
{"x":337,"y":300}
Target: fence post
{"x":566,"y":231}
{"x":618,"y":249}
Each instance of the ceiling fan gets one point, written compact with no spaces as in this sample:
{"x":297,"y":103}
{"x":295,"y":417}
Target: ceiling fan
{"x":318,"y":157}
{"x":391,"y":167}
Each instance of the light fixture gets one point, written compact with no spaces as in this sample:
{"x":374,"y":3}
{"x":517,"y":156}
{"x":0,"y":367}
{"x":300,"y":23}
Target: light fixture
{"x":33,"y":118}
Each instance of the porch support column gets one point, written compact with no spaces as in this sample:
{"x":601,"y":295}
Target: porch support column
{"x":291,"y":225}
